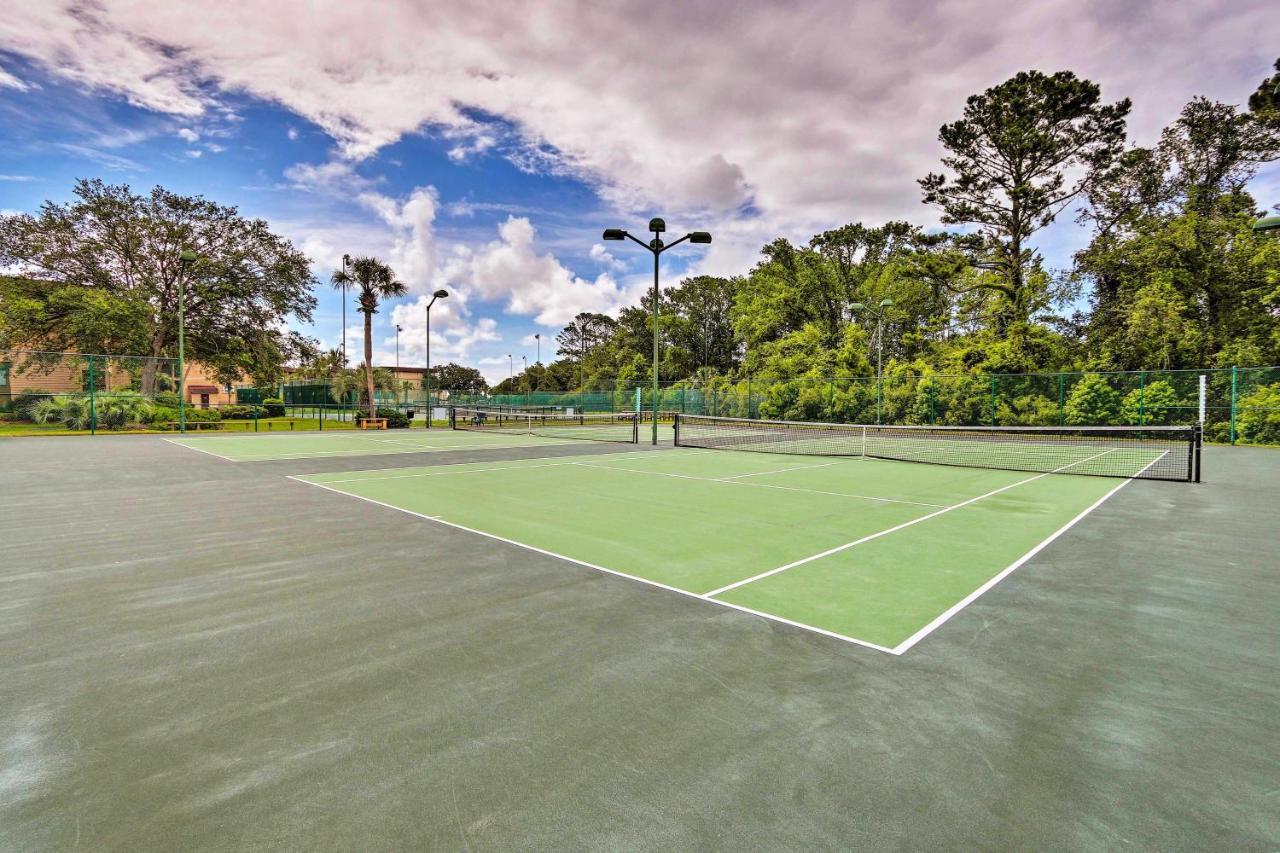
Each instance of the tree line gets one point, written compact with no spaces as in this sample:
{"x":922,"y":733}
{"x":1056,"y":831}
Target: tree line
{"x":1173,"y":276}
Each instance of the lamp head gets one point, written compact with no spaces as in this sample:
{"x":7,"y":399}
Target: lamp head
{"x":857,"y":306}
{"x":346,"y":259}
{"x":188,"y":256}
{"x":615,"y":234}
{"x":657,"y":225}
{"x":700,"y":237}
{"x":885,"y":303}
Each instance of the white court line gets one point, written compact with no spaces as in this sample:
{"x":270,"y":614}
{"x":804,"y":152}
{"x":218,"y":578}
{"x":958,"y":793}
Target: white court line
{"x":177,"y":443}
{"x":886,"y":532}
{"x":973,"y":596}
{"x":324,"y":454}
{"x":731,"y":482}
{"x":779,"y":471}
{"x":438,"y":520}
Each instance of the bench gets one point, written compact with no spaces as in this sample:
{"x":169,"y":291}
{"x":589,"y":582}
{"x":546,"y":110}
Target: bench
{"x":371,"y":423}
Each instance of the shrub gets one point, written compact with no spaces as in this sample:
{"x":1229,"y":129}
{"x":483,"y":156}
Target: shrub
{"x":167,"y":398}
{"x":167,"y":418}
{"x":1151,"y":405}
{"x":396,"y":419}
{"x":22,"y":403}
{"x":274,"y":407}
{"x":1093,"y":402}
{"x":241,"y":413}
{"x":1258,"y":415}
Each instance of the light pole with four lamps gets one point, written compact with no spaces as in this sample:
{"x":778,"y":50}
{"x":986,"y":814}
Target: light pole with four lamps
{"x":879,"y":315}
{"x":657,"y":247}
{"x":426,"y":380}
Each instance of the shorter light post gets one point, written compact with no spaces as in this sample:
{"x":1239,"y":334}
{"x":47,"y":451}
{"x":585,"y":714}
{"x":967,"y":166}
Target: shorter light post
{"x":426,"y":379}
{"x":185,"y":260}
{"x":879,"y":315}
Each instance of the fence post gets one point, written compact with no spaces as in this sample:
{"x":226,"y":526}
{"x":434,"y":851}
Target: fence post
{"x":1234,"y":387}
{"x":831,"y":400}
{"x":993,"y":401}
{"x":93,"y":427}
{"x":1062,"y":398}
{"x":1142,"y":398}
{"x":748,"y":395}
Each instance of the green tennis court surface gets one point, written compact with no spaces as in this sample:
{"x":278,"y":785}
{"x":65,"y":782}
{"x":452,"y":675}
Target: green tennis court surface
{"x":319,"y":445}
{"x":871,"y":551}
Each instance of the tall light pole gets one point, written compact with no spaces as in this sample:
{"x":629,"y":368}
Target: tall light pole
{"x":511,"y":372}
{"x":399,"y":329}
{"x":346,"y":259}
{"x":426,"y":382}
{"x":185,"y":260}
{"x":657,"y":247}
{"x":879,"y":315}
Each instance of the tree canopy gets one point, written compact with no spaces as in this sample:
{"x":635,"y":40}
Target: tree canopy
{"x":101,"y":274}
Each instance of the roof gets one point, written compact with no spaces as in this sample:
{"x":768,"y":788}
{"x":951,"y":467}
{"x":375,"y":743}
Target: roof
{"x":1267,"y":223}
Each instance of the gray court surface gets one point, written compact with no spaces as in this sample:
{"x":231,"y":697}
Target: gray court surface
{"x":203,"y":655}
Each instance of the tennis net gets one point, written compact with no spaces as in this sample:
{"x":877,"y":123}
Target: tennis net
{"x":589,"y":426}
{"x":1154,"y":453}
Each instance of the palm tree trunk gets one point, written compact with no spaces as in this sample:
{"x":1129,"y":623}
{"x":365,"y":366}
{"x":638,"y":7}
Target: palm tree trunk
{"x":368,"y":363}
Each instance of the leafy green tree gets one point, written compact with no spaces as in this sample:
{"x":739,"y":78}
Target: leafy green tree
{"x":102,"y":274}
{"x":455,"y":377}
{"x":1153,"y":404}
{"x":373,"y":281}
{"x":1092,"y":402}
{"x":1022,"y":152}
{"x":584,"y":340}
{"x":1259,"y":418}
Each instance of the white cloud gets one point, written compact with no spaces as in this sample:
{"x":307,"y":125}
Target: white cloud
{"x":601,"y":256}
{"x":511,"y":269}
{"x":189,"y":135}
{"x":17,"y":178}
{"x":8,"y":81}
{"x":292,"y":134}
{"x":195,"y":153}
{"x":820,"y":111}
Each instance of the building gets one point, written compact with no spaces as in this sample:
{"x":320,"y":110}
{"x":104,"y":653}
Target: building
{"x":31,"y":372}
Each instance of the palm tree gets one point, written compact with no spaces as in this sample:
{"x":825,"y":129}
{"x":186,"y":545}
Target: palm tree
{"x":376,"y":281}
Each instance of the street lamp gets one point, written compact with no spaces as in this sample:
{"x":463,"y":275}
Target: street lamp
{"x":426,"y":382}
{"x":399,"y":329}
{"x":657,"y":226}
{"x":185,"y":260}
{"x":511,"y":372}
{"x":879,"y":315}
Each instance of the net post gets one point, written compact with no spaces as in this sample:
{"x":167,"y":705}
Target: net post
{"x":676,"y":428}
{"x":1202,"y":398}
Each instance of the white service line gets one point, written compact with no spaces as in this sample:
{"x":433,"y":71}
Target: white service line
{"x":779,"y":471}
{"x":887,"y":531}
{"x":197,"y":449}
{"x":438,"y":520}
{"x":729,"y":482}
{"x":973,"y":596}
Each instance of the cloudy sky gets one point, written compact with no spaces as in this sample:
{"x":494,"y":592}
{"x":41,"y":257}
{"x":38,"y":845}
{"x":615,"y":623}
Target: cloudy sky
{"x":482,"y":146}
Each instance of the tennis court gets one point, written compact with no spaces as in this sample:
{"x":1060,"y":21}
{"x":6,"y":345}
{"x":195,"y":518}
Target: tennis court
{"x":871,"y":551}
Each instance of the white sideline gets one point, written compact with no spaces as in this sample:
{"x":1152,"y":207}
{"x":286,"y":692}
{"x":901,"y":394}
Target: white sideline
{"x":894,"y":529}
{"x":438,"y":520}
